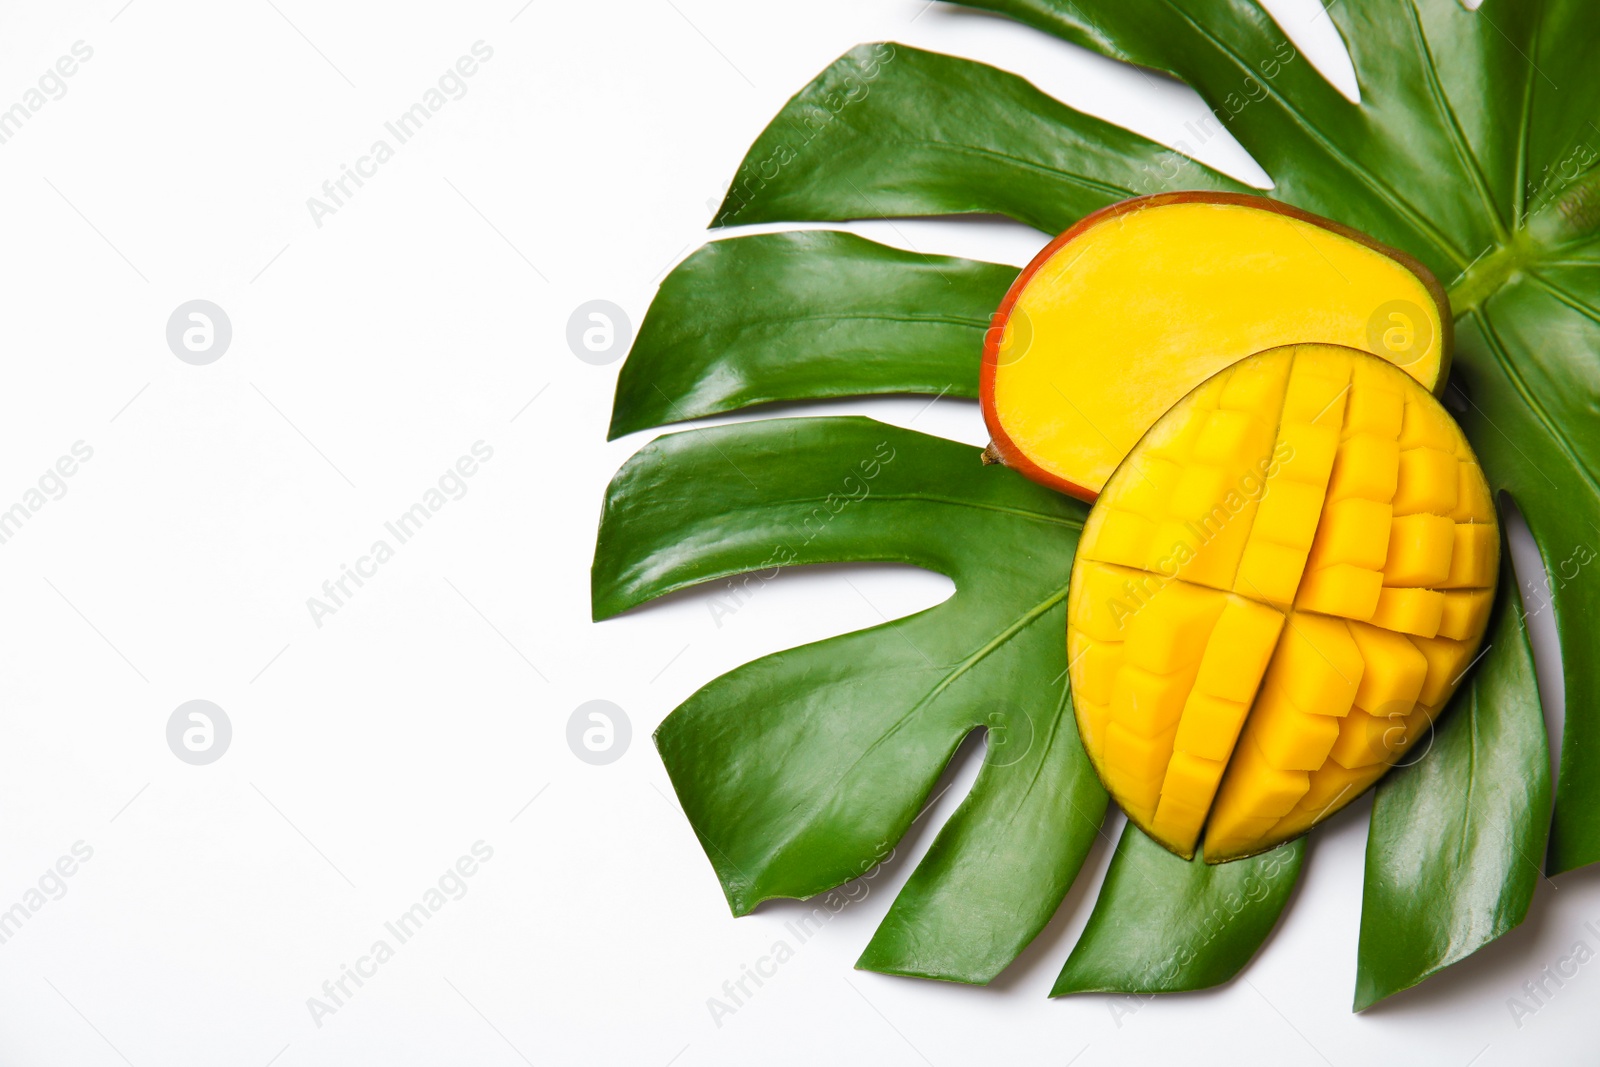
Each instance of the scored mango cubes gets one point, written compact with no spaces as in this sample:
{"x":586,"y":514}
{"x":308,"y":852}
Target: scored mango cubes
{"x":1274,"y":596}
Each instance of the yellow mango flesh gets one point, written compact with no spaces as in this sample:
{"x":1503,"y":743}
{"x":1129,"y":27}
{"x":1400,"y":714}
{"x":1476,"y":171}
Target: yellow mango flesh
{"x":1131,"y":314}
{"x":1274,"y":596}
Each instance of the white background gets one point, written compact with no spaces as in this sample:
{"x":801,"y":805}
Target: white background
{"x":368,"y":754}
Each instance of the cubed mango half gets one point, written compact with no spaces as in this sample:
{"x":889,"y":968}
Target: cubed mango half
{"x":1263,"y":628}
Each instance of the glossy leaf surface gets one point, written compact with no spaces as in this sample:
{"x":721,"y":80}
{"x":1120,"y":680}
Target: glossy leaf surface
{"x":1478,"y":803}
{"x":1165,"y":924}
{"x":803,"y":316}
{"x":890,"y":130}
{"x":802,"y":770}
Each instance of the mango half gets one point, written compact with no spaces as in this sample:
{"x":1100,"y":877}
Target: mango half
{"x":1274,"y":596}
{"x":1125,"y":313}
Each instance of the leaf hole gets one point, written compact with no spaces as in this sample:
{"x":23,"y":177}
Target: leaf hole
{"x":1308,"y":23}
{"x":1534,"y":592}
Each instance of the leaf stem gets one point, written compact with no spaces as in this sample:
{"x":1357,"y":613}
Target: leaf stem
{"x":1486,"y":274}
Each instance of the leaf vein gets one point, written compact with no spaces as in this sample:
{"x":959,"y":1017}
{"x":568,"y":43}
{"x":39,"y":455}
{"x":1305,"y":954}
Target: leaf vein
{"x":950,"y":677}
{"x":1526,"y":132}
{"x":1472,"y":772}
{"x":911,"y":320}
{"x":1458,"y":139}
{"x":1108,"y":188}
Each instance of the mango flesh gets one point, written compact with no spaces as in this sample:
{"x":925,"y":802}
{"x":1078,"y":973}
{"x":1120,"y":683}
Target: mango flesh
{"x":1131,"y":309}
{"x":1275,"y":594}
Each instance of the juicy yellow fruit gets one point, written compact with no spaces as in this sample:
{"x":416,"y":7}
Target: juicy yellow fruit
{"x":1121,"y":316}
{"x":1274,"y":595}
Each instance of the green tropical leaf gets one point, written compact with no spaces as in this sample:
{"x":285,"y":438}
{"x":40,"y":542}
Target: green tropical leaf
{"x":890,"y":130}
{"x":1164,"y":924}
{"x":803,"y":769}
{"x":1479,"y":801}
{"x":1473,"y":148}
{"x":801,"y":316}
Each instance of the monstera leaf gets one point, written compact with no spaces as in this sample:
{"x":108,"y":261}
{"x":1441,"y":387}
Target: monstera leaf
{"x":801,"y":771}
{"x":1472,"y":148}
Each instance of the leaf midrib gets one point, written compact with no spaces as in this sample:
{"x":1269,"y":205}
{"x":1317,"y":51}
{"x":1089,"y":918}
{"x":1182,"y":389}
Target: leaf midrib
{"x":784,"y":320}
{"x":1525,"y":133}
{"x":1458,"y":141}
{"x":1472,"y":771}
{"x":814,"y":502}
{"x":1117,"y":191}
{"x":950,"y":677}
